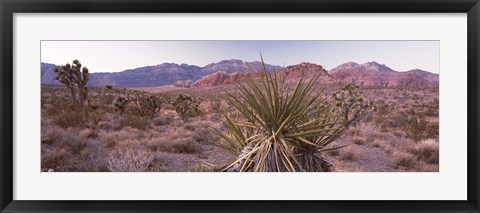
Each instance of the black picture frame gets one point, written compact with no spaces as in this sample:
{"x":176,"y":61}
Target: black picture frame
{"x":9,"y":7}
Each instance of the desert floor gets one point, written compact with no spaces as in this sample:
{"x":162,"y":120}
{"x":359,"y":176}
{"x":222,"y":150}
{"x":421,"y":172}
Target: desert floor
{"x":383,"y":141}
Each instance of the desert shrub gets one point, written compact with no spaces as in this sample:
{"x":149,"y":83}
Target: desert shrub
{"x":74,"y":144}
{"x":91,"y":158}
{"x":432,"y":110}
{"x":186,"y":145}
{"x":216,"y":106}
{"x":186,"y":106}
{"x":202,"y":135}
{"x":87,"y":134}
{"x":403,"y":160}
{"x":358,"y":141}
{"x":132,"y":121}
{"x":205,"y":167}
{"x":163,"y":120}
{"x":418,"y":128}
{"x":75,"y":152}
{"x":278,"y":129}
{"x":51,"y":135}
{"x":334,"y":153}
{"x":370,"y":131}
{"x":97,"y":116}
{"x":352,"y":104}
{"x":68,"y":118}
{"x":129,"y":160}
{"x":105,"y":125}
{"x":180,"y":145}
{"x":351,"y":153}
{"x":433,"y":130}
{"x":55,"y":158}
{"x":189,"y":127}
{"x":146,"y":105}
{"x":94,"y":107}
{"x":109,"y":144}
{"x":349,"y":157}
{"x":427,"y":150}
{"x":121,"y":104}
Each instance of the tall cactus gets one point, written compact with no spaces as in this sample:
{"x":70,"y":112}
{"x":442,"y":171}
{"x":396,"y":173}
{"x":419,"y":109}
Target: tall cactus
{"x":75,"y":78}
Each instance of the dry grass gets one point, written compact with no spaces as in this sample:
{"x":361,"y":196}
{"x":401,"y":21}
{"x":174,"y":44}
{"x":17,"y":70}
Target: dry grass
{"x":129,"y":160}
{"x":166,"y":143}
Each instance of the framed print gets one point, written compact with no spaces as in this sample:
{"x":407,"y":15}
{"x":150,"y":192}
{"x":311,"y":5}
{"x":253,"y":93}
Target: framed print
{"x":239,"y":106}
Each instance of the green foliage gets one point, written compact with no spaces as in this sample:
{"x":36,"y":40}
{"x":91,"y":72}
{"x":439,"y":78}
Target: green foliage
{"x":280,"y":130}
{"x":75,"y":78}
{"x":186,"y":106}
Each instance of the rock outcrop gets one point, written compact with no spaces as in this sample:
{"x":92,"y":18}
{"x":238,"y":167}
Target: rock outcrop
{"x":184,"y":83}
{"x":379,"y":75}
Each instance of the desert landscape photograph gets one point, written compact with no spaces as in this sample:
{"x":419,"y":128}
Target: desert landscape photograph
{"x":240,"y":106}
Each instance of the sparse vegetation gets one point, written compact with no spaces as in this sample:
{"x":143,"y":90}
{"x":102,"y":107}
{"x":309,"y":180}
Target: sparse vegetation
{"x":146,"y":105}
{"x":186,"y":106}
{"x":129,"y":161}
{"x":75,"y":78}
{"x":278,"y":131}
{"x":417,"y":128}
{"x":263,"y":124}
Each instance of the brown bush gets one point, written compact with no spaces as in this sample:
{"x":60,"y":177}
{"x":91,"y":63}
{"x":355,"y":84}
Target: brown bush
{"x":418,"y":128}
{"x":350,"y":154}
{"x":163,"y":120}
{"x":51,"y":135}
{"x":186,"y":145}
{"x":404,"y":160}
{"x":132,"y":121}
{"x":129,"y":160}
{"x":427,"y":150}
{"x":68,"y":119}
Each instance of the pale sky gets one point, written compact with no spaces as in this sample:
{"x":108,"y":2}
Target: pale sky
{"x":115,"y":56}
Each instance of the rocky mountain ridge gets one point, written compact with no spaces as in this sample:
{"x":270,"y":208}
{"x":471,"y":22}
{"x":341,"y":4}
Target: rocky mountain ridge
{"x":234,"y":70}
{"x":159,"y":75}
{"x":379,"y":75}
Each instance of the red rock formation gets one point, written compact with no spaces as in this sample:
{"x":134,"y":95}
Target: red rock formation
{"x":184,"y":84}
{"x":213,"y":79}
{"x":293,"y":73}
{"x":308,"y":70}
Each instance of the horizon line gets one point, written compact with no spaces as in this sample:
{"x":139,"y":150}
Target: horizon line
{"x":284,"y":66}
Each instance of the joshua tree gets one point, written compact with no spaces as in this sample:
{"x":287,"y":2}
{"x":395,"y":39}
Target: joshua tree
{"x":278,"y":129}
{"x":75,"y":78}
{"x":120,"y":105}
{"x":146,"y":105}
{"x":186,"y":106}
{"x":352,"y":104}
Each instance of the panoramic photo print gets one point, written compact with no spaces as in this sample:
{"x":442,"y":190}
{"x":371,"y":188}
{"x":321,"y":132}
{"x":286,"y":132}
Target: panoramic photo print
{"x":240,"y":106}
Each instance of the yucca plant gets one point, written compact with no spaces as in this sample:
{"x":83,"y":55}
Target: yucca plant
{"x":280,"y":127}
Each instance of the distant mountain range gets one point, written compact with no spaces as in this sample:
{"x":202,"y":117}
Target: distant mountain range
{"x":162,"y":74}
{"x":234,"y":70}
{"x":375,"y":74}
